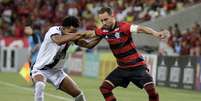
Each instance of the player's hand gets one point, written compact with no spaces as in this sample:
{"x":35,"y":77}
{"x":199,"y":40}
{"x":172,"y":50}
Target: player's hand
{"x":88,"y":34}
{"x":74,"y":36}
{"x":83,"y":35}
{"x":163,"y":34}
{"x":78,"y":35}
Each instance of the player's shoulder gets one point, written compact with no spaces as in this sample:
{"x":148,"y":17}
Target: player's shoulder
{"x":124,"y":26}
{"x":99,"y":31}
{"x":52,"y":30}
{"x":55,"y":28}
{"x":123,"y":23}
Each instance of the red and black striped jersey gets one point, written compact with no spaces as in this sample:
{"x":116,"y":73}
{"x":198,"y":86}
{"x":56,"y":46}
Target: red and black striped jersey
{"x":122,"y":45}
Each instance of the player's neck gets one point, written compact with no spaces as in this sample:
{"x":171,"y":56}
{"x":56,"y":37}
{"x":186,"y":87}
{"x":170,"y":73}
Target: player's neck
{"x":114,"y":26}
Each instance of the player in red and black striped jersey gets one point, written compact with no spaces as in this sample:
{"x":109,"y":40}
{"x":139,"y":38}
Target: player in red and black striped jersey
{"x":122,"y":45}
{"x":131,"y":65}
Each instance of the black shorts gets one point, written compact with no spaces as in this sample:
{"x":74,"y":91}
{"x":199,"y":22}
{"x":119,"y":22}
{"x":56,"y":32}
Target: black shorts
{"x":122,"y":77}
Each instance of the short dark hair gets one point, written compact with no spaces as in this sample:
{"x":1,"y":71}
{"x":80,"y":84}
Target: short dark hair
{"x":71,"y":21}
{"x":105,"y":9}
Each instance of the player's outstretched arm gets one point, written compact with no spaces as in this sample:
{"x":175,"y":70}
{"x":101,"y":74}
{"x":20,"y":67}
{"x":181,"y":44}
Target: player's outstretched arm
{"x":62,"y":39}
{"x":148,"y":30}
{"x":89,"y":40}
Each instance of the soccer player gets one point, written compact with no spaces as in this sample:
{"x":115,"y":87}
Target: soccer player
{"x":131,"y":65}
{"x":50,"y":60}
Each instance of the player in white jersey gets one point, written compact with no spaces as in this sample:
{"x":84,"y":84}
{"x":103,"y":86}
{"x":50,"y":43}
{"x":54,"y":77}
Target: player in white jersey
{"x":50,"y":60}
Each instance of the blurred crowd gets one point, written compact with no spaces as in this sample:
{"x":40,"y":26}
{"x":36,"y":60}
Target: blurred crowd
{"x":186,"y":42}
{"x":41,"y":14}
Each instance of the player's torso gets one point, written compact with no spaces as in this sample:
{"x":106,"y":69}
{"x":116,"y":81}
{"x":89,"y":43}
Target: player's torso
{"x":51,"y":53}
{"x":116,"y":36}
{"x":122,"y":46}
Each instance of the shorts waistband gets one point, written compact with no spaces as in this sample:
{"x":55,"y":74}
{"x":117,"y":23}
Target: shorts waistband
{"x":134,"y":68}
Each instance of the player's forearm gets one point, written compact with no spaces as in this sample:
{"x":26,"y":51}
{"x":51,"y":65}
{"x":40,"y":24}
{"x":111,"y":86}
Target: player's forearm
{"x":92,"y":44}
{"x":88,"y":43}
{"x":147,"y":30}
{"x":62,"y":39}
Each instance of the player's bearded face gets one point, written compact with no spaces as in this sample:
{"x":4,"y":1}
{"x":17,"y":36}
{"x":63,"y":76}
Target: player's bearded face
{"x":107,"y":20}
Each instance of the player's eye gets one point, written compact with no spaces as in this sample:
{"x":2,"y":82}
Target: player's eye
{"x":105,"y":19}
{"x":102,"y":20}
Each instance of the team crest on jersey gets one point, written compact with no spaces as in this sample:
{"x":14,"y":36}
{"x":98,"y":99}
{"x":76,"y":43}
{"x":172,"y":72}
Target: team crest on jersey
{"x":117,"y":35}
{"x":106,"y":37}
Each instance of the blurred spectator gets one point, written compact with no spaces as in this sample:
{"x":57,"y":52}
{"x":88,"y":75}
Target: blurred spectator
{"x":6,"y":29}
{"x":170,"y":5}
{"x":18,"y":29}
{"x":35,"y":40}
{"x":187,"y":43}
{"x":177,"y":30}
{"x":184,"y":48}
{"x":177,"y":47}
{"x":195,"y":41}
{"x":130,"y":18}
{"x":166,"y":49}
{"x":72,"y":9}
{"x":2,"y":42}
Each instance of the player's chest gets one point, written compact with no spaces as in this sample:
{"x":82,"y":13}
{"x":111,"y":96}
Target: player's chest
{"x":64,"y":47}
{"x":116,"y":36}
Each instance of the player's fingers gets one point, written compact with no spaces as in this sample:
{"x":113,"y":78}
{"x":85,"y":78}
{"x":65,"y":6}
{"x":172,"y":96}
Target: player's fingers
{"x":161,"y":36}
{"x":166,"y":32}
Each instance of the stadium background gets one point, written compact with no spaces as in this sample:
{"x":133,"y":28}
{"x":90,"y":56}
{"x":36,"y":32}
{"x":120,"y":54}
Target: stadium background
{"x":174,"y":63}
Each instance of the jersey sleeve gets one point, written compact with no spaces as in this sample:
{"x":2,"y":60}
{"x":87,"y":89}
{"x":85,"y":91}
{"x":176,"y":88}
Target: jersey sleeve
{"x":52,"y":31}
{"x":134,"y":28}
{"x":125,"y":27}
{"x":99,"y":33}
{"x":130,"y":28}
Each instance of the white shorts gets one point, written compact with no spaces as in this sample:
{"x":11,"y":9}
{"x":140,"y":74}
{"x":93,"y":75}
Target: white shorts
{"x":54,"y":76}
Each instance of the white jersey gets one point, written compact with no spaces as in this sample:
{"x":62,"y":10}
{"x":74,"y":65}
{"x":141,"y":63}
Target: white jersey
{"x":51,"y":54}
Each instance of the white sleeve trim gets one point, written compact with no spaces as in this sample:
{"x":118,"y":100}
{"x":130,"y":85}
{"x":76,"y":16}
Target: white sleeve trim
{"x":133,"y":28}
